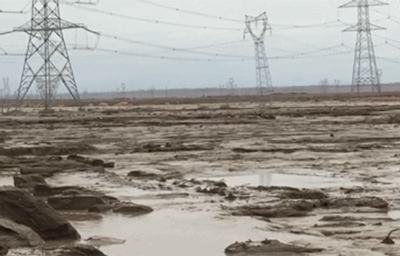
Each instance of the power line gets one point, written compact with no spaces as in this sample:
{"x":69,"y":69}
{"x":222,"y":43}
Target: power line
{"x":171,"y":48}
{"x":151,"y":20}
{"x":389,"y":60}
{"x":192,"y":51}
{"x":307,"y":53}
{"x":162,"y":57}
{"x":22,"y":11}
{"x":290,"y":26}
{"x":190,"y":12}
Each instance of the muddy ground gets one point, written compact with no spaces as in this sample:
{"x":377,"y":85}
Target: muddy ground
{"x":319,"y":174}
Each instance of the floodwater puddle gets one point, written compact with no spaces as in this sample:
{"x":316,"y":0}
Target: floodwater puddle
{"x":394,"y":214}
{"x":6,"y":180}
{"x":288,"y":180}
{"x":7,"y":174}
{"x":176,"y":232}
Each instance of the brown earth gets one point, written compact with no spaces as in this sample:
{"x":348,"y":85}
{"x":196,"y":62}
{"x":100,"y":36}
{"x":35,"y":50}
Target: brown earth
{"x":176,"y":151}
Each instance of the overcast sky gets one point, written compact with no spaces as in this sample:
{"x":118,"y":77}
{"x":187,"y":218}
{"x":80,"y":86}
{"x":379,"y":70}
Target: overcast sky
{"x":101,"y":70}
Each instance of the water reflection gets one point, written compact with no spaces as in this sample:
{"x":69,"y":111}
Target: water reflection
{"x":268,"y":179}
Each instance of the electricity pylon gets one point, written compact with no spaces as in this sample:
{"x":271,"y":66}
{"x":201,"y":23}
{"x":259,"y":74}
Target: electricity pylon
{"x":365,"y":70}
{"x":263,"y":76}
{"x":46,"y":43}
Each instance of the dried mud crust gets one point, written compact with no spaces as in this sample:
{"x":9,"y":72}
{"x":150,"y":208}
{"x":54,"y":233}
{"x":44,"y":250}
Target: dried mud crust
{"x":171,"y":148}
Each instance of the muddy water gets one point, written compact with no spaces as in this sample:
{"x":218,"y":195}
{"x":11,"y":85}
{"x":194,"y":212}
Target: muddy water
{"x":176,"y":232}
{"x":6,"y":178}
{"x":296,"y":181}
{"x":174,"y":228}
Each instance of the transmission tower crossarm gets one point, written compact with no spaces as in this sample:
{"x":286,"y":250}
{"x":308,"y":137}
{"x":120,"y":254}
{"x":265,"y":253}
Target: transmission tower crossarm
{"x":6,"y":33}
{"x":357,"y":27}
{"x":63,"y":25}
{"x":360,"y":3}
{"x":255,"y":20}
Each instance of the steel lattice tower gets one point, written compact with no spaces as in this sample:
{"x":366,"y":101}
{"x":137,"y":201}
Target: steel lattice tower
{"x":365,"y":70}
{"x":263,"y":76}
{"x":46,"y":42}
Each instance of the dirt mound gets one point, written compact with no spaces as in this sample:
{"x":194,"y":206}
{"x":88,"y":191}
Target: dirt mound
{"x":123,"y":208}
{"x":304,"y":194}
{"x":3,"y":250}
{"x":46,"y":190}
{"x":14,"y":235}
{"x":267,"y":247}
{"x":103,"y":241}
{"x":133,"y":210}
{"x":42,"y":171}
{"x":282,"y":210}
{"x":28,"y":181}
{"x":65,"y":149}
{"x":78,"y":250}
{"x":373,"y":202}
{"x":24,"y":209}
{"x":79,"y":202}
{"x":89,"y":161}
{"x":143,"y":175}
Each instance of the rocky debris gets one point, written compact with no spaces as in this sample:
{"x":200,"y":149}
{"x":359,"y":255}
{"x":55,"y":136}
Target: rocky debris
{"x":15,"y":235}
{"x":159,"y":175}
{"x":3,"y":250}
{"x":373,"y":202}
{"x":133,"y":210}
{"x":337,"y":218}
{"x":78,"y":250}
{"x":43,"y":171}
{"x":171,"y":147}
{"x":214,"y":187}
{"x":109,"y":165}
{"x":79,"y":202}
{"x":282,"y":210}
{"x":64,"y":149}
{"x":304,"y":194}
{"x":143,"y":175}
{"x":274,"y":188}
{"x":347,"y":224}
{"x":267,"y":247}
{"x":182,"y":183}
{"x":339,"y":232}
{"x":47,"y":190}
{"x":29,"y":180}
{"x":122,"y":208}
{"x":103,"y":241}
{"x":230,"y":197}
{"x":20,"y":207}
{"x":92,"y":162}
{"x":216,"y":190}
{"x":299,"y":208}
